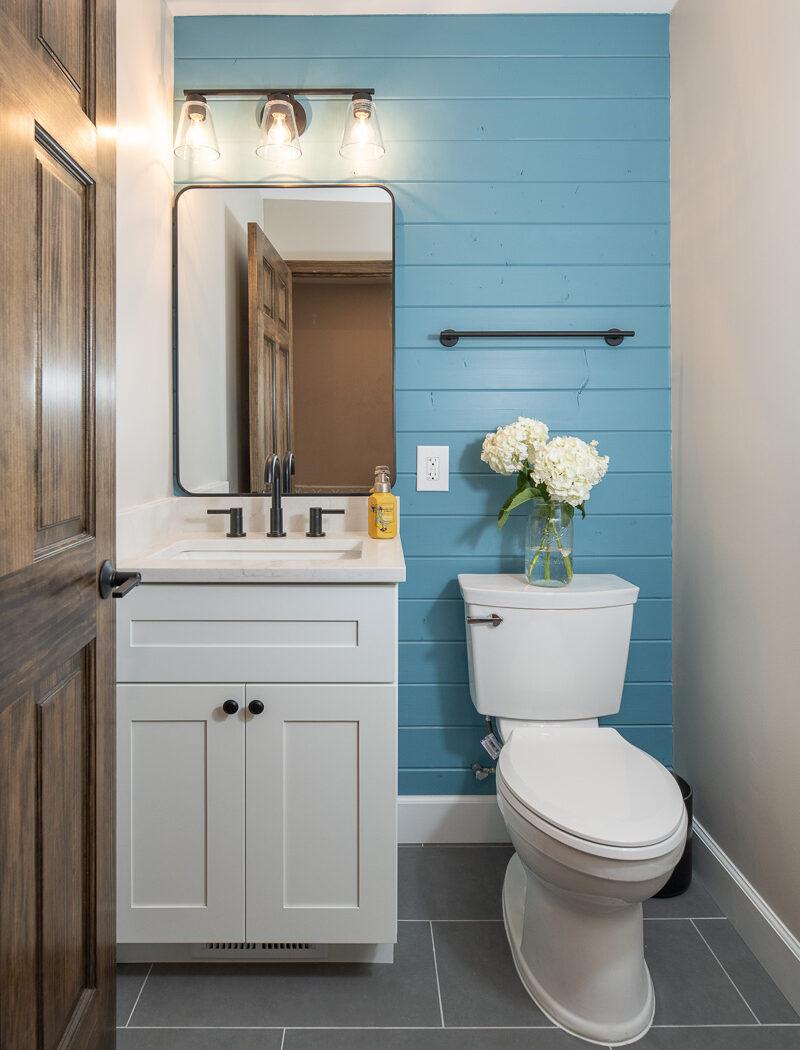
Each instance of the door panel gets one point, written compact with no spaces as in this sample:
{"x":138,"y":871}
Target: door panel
{"x":56,"y":526}
{"x":64,"y":718}
{"x":269,"y":281}
{"x":64,"y":27}
{"x":18,"y":962}
{"x":180,"y":813}
{"x":320,"y":806}
{"x":321,"y":813}
{"x":63,"y":261}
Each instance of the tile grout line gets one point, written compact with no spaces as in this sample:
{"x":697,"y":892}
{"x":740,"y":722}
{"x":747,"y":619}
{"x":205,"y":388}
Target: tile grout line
{"x":139,"y":996}
{"x":647,"y":918}
{"x":420,"y":1028}
{"x":736,"y":987}
{"x":436,"y":972}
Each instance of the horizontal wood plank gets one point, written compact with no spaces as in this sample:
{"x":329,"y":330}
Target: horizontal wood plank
{"x":424,"y":35}
{"x":649,"y":450}
{"x":594,"y":367}
{"x":438,"y":577}
{"x":451,"y":76}
{"x":438,"y":620}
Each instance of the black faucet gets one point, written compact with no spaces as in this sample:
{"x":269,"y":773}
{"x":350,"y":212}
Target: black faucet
{"x":272,"y":477}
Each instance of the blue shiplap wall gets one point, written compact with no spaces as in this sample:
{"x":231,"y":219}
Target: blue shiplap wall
{"x":529,"y":159}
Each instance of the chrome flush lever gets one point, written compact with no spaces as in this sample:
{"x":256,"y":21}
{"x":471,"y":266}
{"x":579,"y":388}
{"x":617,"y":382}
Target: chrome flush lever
{"x":490,"y":621}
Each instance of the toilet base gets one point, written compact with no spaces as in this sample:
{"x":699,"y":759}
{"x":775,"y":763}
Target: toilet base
{"x":579,"y":957}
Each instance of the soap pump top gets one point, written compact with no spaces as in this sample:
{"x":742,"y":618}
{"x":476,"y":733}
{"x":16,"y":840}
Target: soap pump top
{"x":382,"y":482}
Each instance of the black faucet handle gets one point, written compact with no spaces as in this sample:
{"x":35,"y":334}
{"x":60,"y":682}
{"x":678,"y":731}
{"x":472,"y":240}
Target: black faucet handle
{"x":315,"y":520}
{"x":236,"y":530}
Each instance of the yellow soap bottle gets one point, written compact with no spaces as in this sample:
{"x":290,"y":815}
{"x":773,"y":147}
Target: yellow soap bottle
{"x":382,"y":507}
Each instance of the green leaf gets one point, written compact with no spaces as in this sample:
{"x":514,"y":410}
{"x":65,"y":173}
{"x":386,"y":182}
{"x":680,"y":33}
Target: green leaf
{"x":516,"y":499}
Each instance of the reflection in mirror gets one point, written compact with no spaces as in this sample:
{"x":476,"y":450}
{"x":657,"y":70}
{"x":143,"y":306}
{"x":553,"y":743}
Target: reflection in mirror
{"x":284,"y":336}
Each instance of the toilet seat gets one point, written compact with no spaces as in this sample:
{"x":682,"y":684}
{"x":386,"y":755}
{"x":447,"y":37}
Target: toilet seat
{"x":592,"y":789}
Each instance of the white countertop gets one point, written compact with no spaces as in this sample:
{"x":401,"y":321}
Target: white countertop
{"x":343,"y":557}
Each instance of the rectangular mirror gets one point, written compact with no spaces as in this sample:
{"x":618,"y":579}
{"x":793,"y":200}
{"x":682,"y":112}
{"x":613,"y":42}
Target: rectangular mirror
{"x":284,"y":336}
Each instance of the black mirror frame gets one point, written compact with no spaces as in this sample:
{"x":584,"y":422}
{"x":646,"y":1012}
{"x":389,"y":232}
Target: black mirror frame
{"x":180,"y":490}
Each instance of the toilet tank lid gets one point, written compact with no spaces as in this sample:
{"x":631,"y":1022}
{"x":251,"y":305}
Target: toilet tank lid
{"x":512,"y":591}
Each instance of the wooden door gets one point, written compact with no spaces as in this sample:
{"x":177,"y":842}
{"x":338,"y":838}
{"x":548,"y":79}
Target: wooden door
{"x":269,"y":282}
{"x":180,"y":813}
{"x":56,"y":524}
{"x":321,"y":813}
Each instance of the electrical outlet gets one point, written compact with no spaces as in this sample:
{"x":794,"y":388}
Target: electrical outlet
{"x":433,"y":468}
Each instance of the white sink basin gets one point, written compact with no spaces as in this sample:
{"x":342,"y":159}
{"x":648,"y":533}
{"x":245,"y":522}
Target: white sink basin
{"x":263,"y":551}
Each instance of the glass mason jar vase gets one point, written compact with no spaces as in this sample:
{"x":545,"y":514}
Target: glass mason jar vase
{"x":548,"y":544}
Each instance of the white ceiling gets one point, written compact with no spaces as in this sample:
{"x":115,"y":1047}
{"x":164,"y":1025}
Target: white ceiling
{"x":416,"y":7}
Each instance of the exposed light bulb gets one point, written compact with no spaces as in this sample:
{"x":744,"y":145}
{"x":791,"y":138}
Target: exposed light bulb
{"x":195,"y":133}
{"x":361,"y":131}
{"x":279,"y":133}
{"x":279,"y":139}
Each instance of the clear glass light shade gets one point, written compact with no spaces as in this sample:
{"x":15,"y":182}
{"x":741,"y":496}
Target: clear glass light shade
{"x":279,"y":140}
{"x":196,"y":138}
{"x":362,"y":139}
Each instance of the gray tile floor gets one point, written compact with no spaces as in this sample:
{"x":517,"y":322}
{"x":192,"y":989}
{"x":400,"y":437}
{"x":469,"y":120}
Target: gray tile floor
{"x":453,"y":984}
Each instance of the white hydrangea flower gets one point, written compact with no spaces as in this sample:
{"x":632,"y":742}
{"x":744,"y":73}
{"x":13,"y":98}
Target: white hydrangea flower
{"x":510,"y":446}
{"x":569,"y":468}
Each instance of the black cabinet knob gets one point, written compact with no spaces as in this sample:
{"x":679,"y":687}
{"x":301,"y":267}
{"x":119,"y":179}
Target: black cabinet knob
{"x":230,"y":707}
{"x":256,"y":707}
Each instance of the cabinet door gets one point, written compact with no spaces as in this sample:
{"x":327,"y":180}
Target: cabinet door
{"x":321,"y":814}
{"x":180,"y":814}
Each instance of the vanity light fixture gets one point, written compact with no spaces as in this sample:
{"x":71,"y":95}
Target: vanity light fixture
{"x":196,"y":138}
{"x":281,"y":121}
{"x":280,"y":128}
{"x":362,"y":139}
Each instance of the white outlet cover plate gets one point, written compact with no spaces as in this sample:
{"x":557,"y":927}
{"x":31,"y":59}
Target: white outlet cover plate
{"x":424,"y":454}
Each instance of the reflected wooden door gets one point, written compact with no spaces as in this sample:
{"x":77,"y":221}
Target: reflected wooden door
{"x":269,"y":284}
{"x":56,"y":524}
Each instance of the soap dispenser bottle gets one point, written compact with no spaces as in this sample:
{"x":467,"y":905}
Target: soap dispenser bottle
{"x":382,"y":507}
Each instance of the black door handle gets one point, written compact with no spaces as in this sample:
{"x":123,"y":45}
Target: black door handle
{"x":256,"y":707}
{"x":113,"y":584}
{"x":230,"y":707}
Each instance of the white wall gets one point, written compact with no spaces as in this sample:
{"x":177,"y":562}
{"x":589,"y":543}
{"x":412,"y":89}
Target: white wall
{"x":736,"y":271}
{"x":212,"y":310}
{"x":144,"y":251}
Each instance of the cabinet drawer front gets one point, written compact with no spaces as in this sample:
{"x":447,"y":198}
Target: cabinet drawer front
{"x":180,"y":813}
{"x":274,"y":633}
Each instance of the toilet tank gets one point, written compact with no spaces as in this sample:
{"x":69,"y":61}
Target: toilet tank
{"x":547,"y":654}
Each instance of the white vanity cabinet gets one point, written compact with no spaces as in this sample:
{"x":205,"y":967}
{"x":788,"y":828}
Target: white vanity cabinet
{"x":272,"y":819}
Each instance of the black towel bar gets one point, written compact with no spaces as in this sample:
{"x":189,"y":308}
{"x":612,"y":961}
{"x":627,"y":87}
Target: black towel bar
{"x":613,"y":336}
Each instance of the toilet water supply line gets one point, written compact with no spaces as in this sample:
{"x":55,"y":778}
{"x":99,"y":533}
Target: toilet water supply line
{"x":491,"y":745}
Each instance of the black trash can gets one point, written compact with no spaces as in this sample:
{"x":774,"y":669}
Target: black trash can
{"x":681,"y":877}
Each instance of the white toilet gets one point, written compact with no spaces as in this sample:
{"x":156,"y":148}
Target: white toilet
{"x":597,"y":824}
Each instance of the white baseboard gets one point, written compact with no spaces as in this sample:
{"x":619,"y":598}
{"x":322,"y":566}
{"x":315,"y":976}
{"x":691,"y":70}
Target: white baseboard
{"x":449,"y":818}
{"x":767,"y":936}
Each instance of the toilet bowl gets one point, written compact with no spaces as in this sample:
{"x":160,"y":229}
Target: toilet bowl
{"x":597,"y":824}
{"x":596,"y":830}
